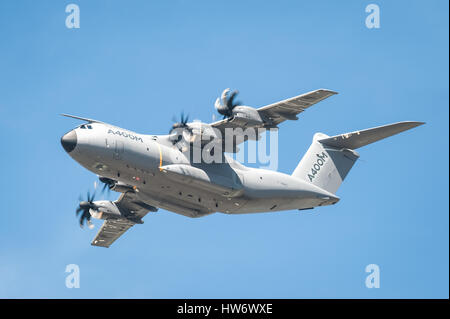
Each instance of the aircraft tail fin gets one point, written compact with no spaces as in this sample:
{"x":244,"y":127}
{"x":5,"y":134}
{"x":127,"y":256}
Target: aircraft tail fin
{"x":329,"y":159}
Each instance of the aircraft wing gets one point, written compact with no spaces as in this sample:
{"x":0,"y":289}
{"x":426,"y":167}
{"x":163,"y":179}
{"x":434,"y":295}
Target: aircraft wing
{"x":276,"y":113}
{"x":110,"y":231}
{"x":289,"y":109}
{"x":132,"y":209}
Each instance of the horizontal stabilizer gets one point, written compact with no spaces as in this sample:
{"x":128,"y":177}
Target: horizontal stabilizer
{"x":329,"y":159}
{"x":358,"y":139}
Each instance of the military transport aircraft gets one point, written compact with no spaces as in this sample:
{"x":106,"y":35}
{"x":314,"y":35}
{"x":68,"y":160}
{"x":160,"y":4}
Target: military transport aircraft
{"x":160,"y":171}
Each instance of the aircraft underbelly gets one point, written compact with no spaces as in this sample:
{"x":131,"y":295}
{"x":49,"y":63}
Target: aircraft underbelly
{"x":277,"y":204}
{"x":188,"y":200}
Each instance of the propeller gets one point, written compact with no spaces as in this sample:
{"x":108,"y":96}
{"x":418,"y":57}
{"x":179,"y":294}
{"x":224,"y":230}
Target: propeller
{"x":83,"y":210}
{"x":226,"y":103}
{"x":179,"y":127}
{"x":182,"y":123}
{"x":108,"y":183}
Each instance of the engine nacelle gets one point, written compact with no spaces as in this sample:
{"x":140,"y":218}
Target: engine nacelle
{"x":197,"y":132}
{"x":122,"y":187}
{"x":116,"y":185}
{"x":105,"y":209}
{"x":206,"y":132}
{"x":247,"y":115}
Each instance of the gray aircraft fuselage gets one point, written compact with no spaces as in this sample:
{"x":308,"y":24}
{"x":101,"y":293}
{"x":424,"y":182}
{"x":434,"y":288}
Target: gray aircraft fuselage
{"x":140,"y":160}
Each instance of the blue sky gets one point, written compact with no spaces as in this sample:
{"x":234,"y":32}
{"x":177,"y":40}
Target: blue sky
{"x":137,"y":63}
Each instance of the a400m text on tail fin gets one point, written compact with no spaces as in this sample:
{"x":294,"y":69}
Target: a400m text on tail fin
{"x":329,"y":159}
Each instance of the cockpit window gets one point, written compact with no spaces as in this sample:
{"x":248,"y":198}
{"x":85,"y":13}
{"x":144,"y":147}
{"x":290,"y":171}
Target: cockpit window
{"x":83,"y":126}
{"x":89,"y":127}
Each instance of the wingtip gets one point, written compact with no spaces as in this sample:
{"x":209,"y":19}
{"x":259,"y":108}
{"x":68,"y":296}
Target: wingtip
{"x":80,"y":118}
{"x":66,"y":115}
{"x":329,"y":91}
{"x":415,"y":123}
{"x":408,"y":123}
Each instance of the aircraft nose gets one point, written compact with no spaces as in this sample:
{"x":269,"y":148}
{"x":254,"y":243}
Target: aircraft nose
{"x":69,"y":141}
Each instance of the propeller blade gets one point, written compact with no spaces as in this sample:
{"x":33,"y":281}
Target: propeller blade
{"x":226,"y":103}
{"x":179,"y":127}
{"x":85,"y":216}
{"x":83,"y":209}
{"x":90,"y":198}
{"x":107,"y":184}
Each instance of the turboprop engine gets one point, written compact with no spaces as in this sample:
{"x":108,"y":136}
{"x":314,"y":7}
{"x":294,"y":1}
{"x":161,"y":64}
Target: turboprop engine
{"x":116,"y":186}
{"x":203,"y":133}
{"x":105,"y":209}
{"x":235,"y":112}
{"x":196,"y":132}
{"x":101,"y":209}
